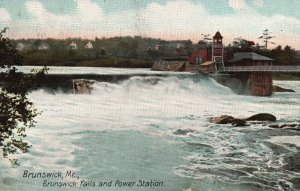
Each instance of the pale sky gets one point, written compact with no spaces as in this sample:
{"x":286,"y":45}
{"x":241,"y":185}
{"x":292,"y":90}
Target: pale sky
{"x":166,"y":19}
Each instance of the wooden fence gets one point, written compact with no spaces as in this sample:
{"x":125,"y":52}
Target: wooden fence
{"x":288,"y":69}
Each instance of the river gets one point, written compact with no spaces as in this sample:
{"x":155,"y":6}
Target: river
{"x":157,"y":129}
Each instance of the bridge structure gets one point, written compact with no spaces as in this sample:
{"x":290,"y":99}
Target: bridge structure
{"x":257,"y":77}
{"x":269,"y":68}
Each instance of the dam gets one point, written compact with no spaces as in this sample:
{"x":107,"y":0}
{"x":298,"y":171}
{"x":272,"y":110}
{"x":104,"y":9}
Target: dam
{"x":241,"y":80}
{"x":61,"y":78}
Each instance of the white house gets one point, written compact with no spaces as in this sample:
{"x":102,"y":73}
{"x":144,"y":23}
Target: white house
{"x":20,"y":46}
{"x":89,"y":45}
{"x":180,"y":45}
{"x":158,"y":47}
{"x":43,"y":46}
{"x":73,"y":45}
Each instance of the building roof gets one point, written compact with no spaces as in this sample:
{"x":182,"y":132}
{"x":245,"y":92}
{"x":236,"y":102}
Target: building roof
{"x":298,"y":53}
{"x":248,"y":56}
{"x":218,"y":35}
{"x":251,"y":43}
{"x":207,"y":63}
{"x":178,"y":58}
{"x":88,"y":45}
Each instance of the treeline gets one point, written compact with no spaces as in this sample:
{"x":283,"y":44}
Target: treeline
{"x":129,"y":51}
{"x":110,"y":51}
{"x":281,"y":55}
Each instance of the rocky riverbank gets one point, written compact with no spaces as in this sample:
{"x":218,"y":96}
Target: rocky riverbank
{"x":265,"y":118}
{"x":280,"y":89}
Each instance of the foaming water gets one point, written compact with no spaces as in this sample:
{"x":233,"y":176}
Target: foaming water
{"x":157,"y":128}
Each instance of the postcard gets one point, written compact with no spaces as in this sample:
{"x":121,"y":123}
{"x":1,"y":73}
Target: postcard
{"x":151,"y":95}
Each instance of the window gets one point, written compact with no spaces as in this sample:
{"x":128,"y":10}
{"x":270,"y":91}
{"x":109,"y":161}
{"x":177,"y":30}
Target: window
{"x":199,"y":60}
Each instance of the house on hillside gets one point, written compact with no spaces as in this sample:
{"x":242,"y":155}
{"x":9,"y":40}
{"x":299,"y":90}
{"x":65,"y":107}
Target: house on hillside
{"x":20,"y":46}
{"x":43,"y":46}
{"x":89,"y":45}
{"x":180,"y":45}
{"x":158,"y":47}
{"x":251,"y":43}
{"x":73,"y":45}
{"x":298,"y":56}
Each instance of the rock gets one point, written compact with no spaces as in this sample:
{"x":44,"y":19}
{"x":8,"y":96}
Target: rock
{"x":223,"y":119}
{"x":262,"y":117}
{"x":183,"y":131}
{"x":295,"y":127}
{"x":288,"y":125}
{"x":238,"y":122}
{"x":226,"y":119}
{"x":82,"y":86}
{"x":280,"y":89}
{"x":274,"y":126}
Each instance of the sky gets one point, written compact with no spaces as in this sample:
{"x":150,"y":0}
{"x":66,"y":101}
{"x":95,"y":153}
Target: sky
{"x":166,"y":19}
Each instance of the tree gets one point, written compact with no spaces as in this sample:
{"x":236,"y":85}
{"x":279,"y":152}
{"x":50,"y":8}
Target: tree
{"x":206,"y":40}
{"x":291,"y":55}
{"x":281,"y":56}
{"x":152,"y":54}
{"x":17,"y":112}
{"x":267,"y":37}
{"x":242,"y":44}
{"x":102,"y":51}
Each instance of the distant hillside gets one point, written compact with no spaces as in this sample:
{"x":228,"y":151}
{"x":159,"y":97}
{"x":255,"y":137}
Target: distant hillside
{"x":115,"y":52}
{"x":125,"y":51}
{"x":125,"y":47}
{"x":298,"y":56}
